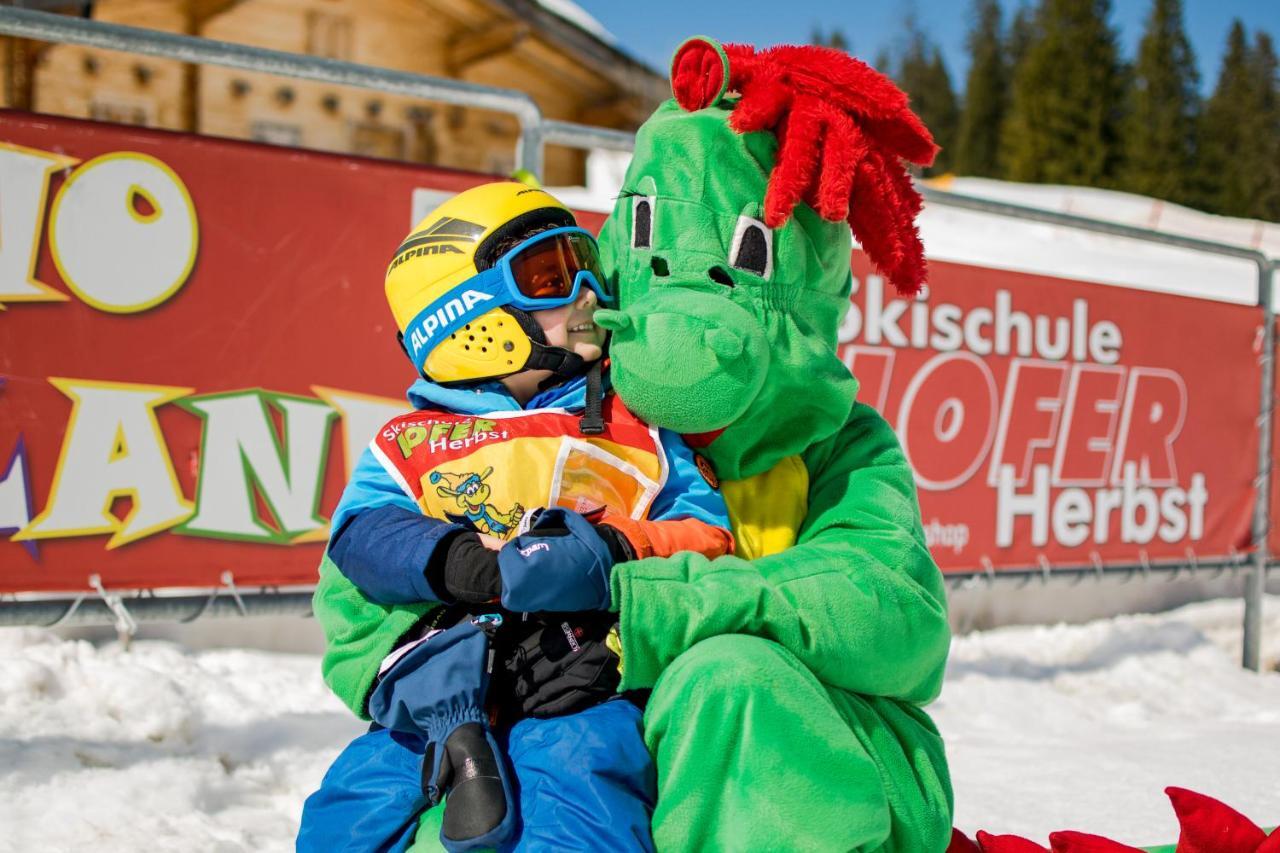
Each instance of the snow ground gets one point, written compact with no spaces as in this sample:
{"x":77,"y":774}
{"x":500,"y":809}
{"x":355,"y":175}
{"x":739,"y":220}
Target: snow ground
{"x":1083,"y":726}
{"x":167,"y":748}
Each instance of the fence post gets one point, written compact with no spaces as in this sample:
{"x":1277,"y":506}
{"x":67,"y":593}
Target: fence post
{"x":1256,"y":582}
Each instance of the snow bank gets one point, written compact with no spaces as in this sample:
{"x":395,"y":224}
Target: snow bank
{"x":159,"y":747}
{"x":1082,"y":727}
{"x":164,"y":748}
{"x":1139,"y":211}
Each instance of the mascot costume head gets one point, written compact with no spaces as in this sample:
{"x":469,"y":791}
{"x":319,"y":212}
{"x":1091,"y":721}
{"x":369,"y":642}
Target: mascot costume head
{"x":733,"y":288}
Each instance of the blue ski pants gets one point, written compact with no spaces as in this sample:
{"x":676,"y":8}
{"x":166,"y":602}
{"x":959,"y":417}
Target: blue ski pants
{"x":583,"y":782}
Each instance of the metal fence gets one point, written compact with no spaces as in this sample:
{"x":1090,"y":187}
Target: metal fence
{"x":536,"y":132}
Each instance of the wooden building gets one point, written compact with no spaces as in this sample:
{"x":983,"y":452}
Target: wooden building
{"x":571,"y":73}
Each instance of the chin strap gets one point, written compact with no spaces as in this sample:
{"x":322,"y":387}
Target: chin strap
{"x":562,"y":363}
{"x":592,"y":421}
{"x":565,"y":365}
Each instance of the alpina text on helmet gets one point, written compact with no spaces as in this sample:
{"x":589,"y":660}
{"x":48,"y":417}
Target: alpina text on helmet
{"x":422,"y":332}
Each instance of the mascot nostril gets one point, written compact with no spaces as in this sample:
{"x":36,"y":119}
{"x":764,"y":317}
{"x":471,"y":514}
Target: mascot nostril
{"x":659,"y":267}
{"x":720,"y":275}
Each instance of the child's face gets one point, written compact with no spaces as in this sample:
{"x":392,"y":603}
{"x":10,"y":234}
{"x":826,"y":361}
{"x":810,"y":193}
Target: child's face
{"x":569,"y":326}
{"x":573,"y":327}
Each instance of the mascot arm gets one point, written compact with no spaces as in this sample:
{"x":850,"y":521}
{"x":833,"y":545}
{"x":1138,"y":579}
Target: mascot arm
{"x":359,"y":633}
{"x":858,"y":599}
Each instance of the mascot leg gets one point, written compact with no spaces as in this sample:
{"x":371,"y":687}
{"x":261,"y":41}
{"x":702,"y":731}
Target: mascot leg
{"x":913,"y":768}
{"x":754,"y":753}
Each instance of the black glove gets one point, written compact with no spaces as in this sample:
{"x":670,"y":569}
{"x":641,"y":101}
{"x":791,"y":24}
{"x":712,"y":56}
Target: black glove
{"x":560,"y":665}
{"x":462,"y":569}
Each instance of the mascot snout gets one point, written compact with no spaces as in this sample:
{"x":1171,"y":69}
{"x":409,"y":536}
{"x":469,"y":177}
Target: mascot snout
{"x":700,"y":351}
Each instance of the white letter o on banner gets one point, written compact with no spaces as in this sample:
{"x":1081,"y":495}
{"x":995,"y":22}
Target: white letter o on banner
{"x":112,"y":254}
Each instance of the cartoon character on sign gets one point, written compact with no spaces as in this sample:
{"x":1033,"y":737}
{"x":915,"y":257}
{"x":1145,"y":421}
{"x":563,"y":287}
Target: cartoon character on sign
{"x":472,"y":495}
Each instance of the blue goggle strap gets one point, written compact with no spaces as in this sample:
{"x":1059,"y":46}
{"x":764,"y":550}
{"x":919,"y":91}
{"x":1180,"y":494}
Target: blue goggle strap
{"x":482,"y":293}
{"x":432,"y":325}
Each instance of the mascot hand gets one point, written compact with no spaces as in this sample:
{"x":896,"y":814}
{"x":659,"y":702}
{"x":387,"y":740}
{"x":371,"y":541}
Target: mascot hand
{"x":561,"y":564}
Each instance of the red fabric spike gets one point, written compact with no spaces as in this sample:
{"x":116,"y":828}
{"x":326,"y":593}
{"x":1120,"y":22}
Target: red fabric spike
{"x":796,"y":168}
{"x":882,"y":213}
{"x":1070,"y":841}
{"x":843,"y":129}
{"x":1008,"y":844}
{"x":961,"y":843}
{"x":1211,"y":826}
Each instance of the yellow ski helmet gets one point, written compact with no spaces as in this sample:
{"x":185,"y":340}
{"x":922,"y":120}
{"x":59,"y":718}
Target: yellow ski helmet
{"x":457,"y":322}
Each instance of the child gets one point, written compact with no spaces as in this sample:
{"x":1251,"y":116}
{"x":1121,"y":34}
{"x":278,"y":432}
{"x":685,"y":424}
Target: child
{"x":494,"y":294}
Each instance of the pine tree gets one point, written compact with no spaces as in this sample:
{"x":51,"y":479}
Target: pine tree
{"x":1067,"y":98}
{"x":1229,"y":124}
{"x":985,"y":95}
{"x":923,"y":75}
{"x":1022,"y":32}
{"x":1161,"y":126}
{"x":1018,"y":41}
{"x":1266,"y":204}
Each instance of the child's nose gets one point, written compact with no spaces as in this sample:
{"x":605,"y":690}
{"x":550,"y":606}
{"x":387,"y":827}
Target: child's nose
{"x":586,"y":299}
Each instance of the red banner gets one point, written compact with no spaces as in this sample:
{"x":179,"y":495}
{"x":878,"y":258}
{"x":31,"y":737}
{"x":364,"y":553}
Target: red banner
{"x":1053,"y":420}
{"x":194,"y":344}
{"x":195,"y":347}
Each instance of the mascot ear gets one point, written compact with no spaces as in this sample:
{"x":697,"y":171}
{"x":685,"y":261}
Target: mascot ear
{"x":699,"y":73}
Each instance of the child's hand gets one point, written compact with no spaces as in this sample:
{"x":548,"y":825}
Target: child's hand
{"x":493,"y":543}
{"x":561,"y":565}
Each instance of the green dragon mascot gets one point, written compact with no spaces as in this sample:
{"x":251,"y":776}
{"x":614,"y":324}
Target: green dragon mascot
{"x":787,"y":680}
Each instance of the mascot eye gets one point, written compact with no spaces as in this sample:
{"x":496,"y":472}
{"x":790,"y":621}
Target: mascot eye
{"x":641,"y":222}
{"x":752,"y":248}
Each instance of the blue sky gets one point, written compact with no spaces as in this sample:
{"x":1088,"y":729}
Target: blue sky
{"x":650,"y":29}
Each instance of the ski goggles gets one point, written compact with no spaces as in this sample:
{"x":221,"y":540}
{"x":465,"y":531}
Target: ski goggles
{"x":546,"y":271}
